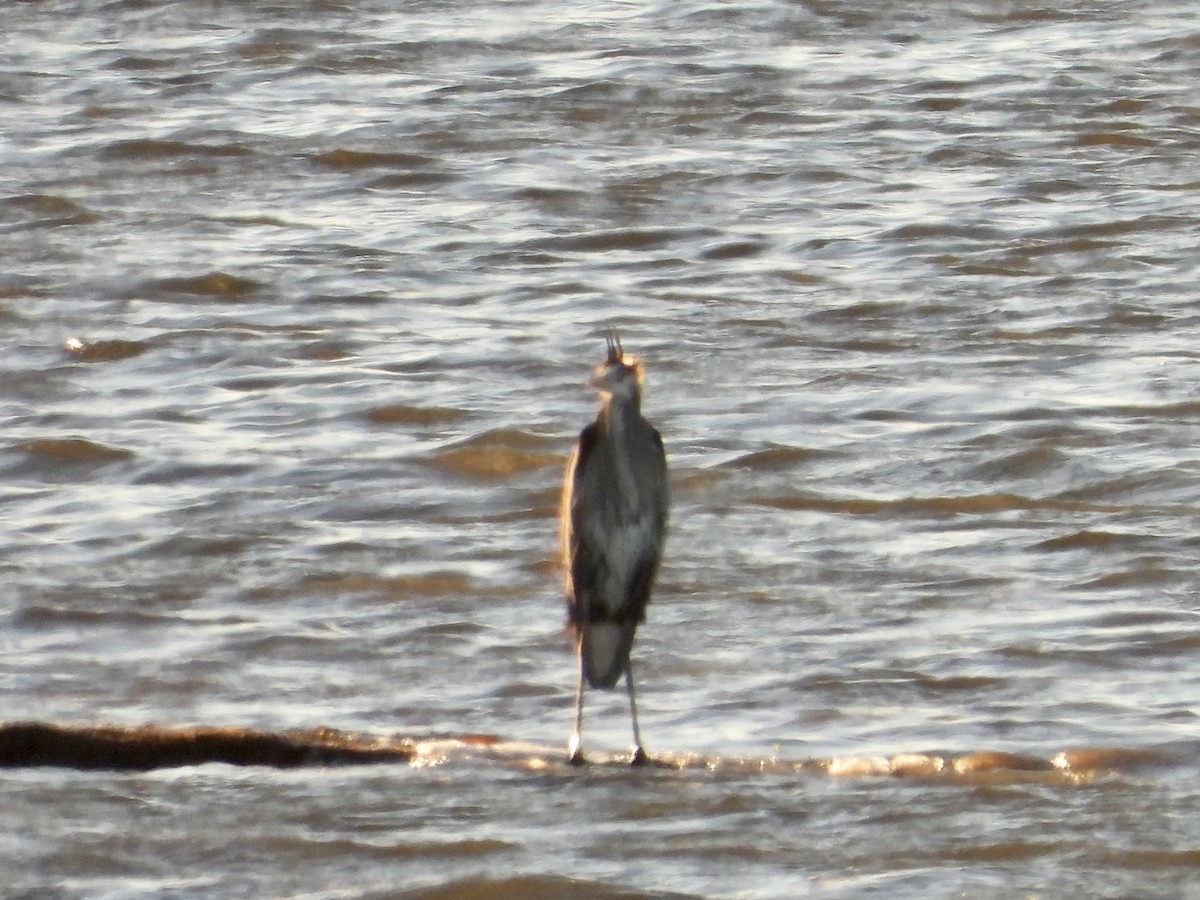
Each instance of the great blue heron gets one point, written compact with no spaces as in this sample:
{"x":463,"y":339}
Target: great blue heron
{"x":613,"y":522}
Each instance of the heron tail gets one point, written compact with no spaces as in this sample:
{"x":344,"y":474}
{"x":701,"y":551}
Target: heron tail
{"x":605,"y":647}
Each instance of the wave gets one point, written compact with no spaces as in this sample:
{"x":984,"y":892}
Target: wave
{"x":933,"y":507}
{"x":52,"y":455}
{"x":221,"y":285}
{"x":500,"y":454}
{"x":104,"y":350}
{"x":149,"y":148}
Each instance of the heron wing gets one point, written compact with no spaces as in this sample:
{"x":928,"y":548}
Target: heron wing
{"x":647,"y":530}
{"x":579,"y":558}
{"x":613,"y":532}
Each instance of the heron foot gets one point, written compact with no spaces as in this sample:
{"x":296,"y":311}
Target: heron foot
{"x":575,"y":750}
{"x":639,"y":757}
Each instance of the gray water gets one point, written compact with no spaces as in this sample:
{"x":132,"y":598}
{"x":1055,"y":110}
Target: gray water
{"x":298,"y":301}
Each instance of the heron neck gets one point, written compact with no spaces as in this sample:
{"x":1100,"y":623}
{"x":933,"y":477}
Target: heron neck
{"x":619,"y":412}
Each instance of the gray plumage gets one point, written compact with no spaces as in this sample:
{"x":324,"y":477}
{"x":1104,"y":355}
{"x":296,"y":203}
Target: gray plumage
{"x":614,"y":520}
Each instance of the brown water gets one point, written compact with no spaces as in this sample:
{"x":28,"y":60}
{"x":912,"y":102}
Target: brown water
{"x":298,"y":300}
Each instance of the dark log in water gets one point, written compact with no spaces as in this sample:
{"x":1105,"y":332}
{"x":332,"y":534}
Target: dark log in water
{"x":141,"y":748}
{"x":153,"y":747}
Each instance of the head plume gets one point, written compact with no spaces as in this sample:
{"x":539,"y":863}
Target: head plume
{"x":615,"y":353}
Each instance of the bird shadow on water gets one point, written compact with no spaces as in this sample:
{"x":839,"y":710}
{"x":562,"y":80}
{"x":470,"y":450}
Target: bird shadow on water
{"x":147,"y":747}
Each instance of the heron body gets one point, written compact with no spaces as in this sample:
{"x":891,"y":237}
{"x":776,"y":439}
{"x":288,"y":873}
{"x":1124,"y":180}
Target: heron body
{"x":614,"y":519}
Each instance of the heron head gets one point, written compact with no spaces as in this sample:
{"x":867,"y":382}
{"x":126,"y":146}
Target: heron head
{"x":620,"y":376}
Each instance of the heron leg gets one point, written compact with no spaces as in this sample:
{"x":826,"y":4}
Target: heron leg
{"x":575,"y":745}
{"x":639,"y":755}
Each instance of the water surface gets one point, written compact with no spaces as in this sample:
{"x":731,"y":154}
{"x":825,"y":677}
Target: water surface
{"x":299,"y":299}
